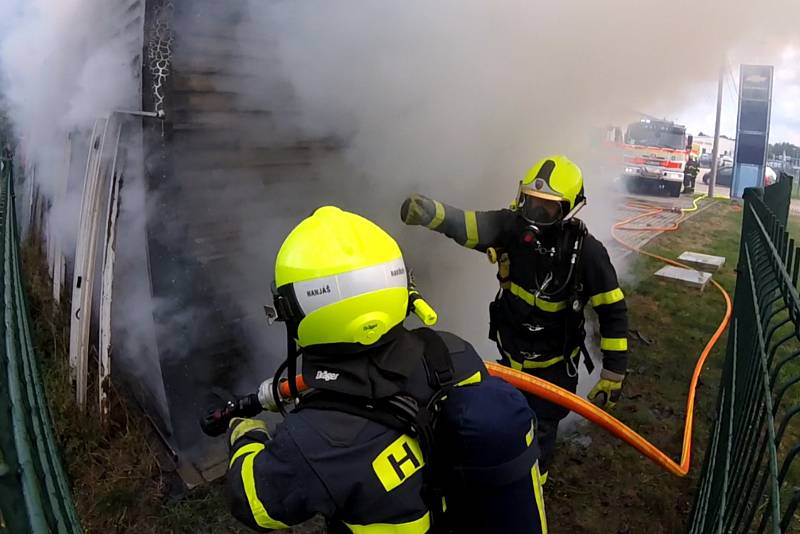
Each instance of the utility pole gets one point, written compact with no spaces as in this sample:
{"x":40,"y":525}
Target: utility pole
{"x":715,"y":152}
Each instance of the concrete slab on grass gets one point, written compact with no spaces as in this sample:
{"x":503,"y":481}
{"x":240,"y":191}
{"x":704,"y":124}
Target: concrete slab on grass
{"x":689,"y":277}
{"x":703,"y":262}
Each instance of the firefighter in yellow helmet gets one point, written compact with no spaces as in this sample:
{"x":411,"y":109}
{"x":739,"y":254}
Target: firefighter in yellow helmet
{"x":396,"y":422}
{"x":550,"y":267}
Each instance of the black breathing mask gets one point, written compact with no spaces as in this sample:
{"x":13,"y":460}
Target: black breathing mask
{"x":540,"y":212}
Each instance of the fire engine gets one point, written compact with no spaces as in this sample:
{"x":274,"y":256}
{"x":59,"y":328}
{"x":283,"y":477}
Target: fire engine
{"x":654,"y":154}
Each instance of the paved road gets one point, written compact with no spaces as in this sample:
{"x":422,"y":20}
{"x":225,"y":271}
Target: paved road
{"x":633,"y":207}
{"x":722,"y":191}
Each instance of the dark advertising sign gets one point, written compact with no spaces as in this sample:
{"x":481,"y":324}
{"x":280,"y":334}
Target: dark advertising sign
{"x":752,"y":130}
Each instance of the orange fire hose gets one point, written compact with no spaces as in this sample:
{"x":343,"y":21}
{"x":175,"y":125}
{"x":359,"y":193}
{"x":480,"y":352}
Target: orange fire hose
{"x":641,"y":444}
{"x":586,"y":409}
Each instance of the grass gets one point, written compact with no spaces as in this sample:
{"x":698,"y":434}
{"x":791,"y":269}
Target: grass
{"x":607,"y":487}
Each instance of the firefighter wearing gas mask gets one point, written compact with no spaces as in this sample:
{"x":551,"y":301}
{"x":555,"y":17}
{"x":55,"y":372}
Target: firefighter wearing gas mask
{"x":550,"y":267}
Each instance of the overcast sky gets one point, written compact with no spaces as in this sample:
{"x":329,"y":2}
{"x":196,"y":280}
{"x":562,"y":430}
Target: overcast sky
{"x":786,"y":102}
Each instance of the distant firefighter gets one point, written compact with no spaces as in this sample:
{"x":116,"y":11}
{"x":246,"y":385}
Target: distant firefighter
{"x":549,"y":268}
{"x":690,"y":174}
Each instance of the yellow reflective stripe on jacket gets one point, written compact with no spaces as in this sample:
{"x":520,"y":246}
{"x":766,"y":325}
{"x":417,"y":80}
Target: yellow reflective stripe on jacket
{"x":260,"y":514}
{"x":536,"y":479}
{"x":613,"y":343}
{"x":530,"y":298}
{"x":537,"y":364}
{"x":529,"y":436}
{"x":609,"y":297}
{"x":250,"y":448}
{"x":248,"y":425}
{"x":533,"y":364}
{"x":471,"y":222}
{"x":419,"y":526}
{"x":537,"y":491}
{"x":474,"y":379}
{"x":438,"y":219}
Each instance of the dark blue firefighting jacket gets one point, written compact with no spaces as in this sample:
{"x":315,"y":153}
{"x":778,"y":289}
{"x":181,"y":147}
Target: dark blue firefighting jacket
{"x":537,"y":332}
{"x":367,"y":478}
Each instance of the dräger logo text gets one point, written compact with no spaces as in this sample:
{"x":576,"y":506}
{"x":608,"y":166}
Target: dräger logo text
{"x":327,"y":376}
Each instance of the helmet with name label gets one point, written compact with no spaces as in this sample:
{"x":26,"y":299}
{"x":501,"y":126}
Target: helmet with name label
{"x":340,"y":278}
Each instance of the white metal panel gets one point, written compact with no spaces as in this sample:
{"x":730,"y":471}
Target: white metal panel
{"x":80,"y":247}
{"x":86,"y":257}
{"x":109,"y":256}
{"x":56,"y":257}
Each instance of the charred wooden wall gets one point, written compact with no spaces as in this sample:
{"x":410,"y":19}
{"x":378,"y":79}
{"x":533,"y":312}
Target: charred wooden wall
{"x":224,"y":169}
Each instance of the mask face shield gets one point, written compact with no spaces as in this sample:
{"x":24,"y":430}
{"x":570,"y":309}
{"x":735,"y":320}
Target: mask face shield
{"x":539,"y":211}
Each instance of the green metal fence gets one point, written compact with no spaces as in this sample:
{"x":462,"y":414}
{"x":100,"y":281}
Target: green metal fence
{"x":751,"y":472}
{"x":34,"y":493}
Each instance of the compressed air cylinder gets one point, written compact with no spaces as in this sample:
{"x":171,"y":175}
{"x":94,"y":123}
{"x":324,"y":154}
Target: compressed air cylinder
{"x":486,"y":445}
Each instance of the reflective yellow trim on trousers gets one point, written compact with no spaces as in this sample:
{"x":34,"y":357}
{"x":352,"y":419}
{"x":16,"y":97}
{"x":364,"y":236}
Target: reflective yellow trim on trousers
{"x":536,"y":364}
{"x":613,"y":343}
{"x":474,"y":379}
{"x":471,"y":222}
{"x":609,"y":297}
{"x":420,"y":526}
{"x":250,"y":448}
{"x":260,"y":514}
{"x":530,"y":298}
{"x":438,"y":219}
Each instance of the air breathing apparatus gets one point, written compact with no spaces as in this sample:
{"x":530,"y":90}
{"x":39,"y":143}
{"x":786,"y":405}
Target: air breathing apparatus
{"x":531,"y":236}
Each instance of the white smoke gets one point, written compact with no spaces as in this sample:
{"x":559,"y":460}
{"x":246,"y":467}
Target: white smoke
{"x":456,"y":99}
{"x":61,"y":67}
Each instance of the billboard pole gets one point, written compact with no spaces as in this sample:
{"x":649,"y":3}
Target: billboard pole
{"x":715,"y":152}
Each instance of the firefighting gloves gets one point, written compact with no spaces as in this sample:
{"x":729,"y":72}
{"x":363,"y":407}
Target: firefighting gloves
{"x":608,"y":389}
{"x":239,"y":427}
{"x":418,"y":210}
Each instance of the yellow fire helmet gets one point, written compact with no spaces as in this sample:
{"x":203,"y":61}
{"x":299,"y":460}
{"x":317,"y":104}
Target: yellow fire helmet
{"x":551,"y":190}
{"x":340,"y":278}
